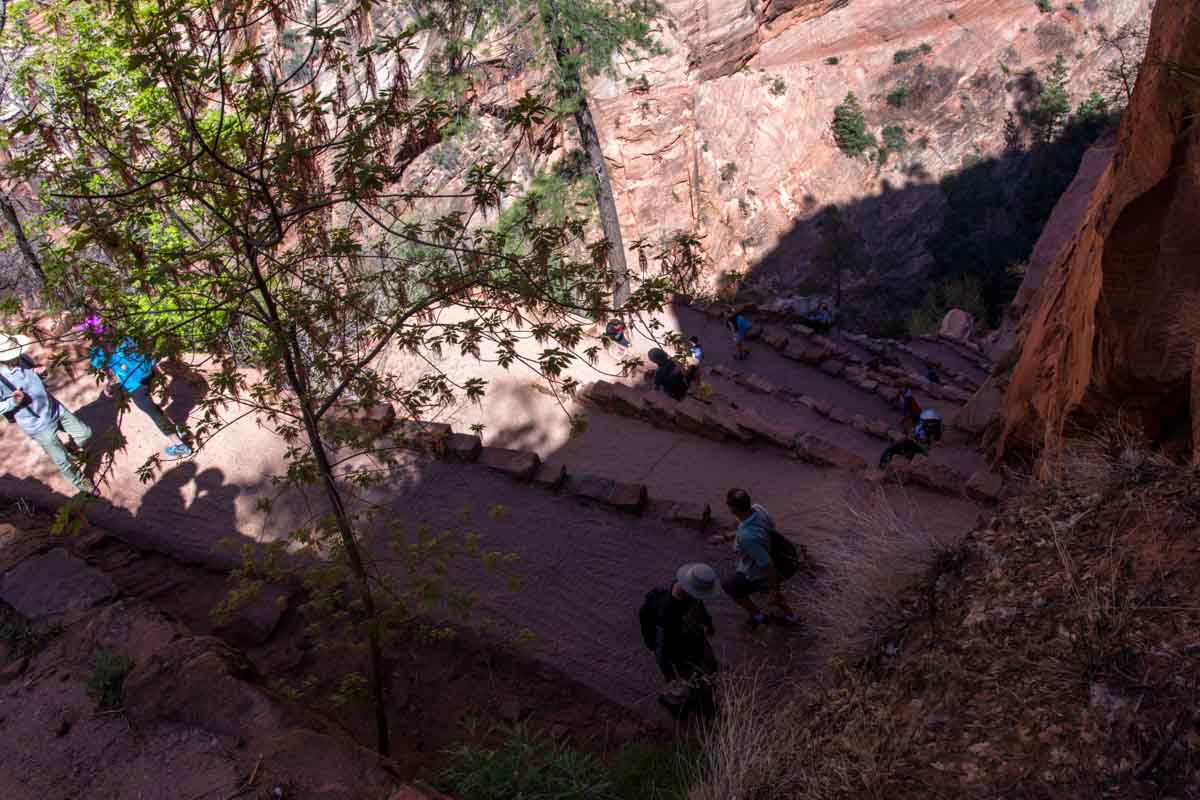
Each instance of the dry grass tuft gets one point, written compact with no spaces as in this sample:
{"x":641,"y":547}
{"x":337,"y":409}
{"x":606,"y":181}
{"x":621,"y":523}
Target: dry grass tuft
{"x":1112,"y":457}
{"x":856,"y":596}
{"x":817,"y":745}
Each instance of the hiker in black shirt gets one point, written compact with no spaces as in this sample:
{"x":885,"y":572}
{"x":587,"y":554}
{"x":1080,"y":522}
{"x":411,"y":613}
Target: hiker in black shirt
{"x":669,"y":376}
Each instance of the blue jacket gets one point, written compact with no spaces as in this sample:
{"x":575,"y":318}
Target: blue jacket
{"x":127,"y":363}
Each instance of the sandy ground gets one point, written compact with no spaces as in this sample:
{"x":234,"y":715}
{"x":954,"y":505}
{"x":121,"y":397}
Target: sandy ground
{"x":586,"y":568}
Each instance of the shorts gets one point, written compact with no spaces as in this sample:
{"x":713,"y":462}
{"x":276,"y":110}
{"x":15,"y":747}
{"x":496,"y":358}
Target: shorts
{"x":738,"y":586}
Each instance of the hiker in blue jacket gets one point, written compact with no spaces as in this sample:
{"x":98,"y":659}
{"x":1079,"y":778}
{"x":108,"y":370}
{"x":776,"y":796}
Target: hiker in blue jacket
{"x":129,"y":373}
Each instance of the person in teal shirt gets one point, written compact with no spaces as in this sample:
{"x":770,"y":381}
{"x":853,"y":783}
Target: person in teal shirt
{"x":129,"y":371}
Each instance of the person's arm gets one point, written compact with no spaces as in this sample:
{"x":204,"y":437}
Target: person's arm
{"x":12,"y":402}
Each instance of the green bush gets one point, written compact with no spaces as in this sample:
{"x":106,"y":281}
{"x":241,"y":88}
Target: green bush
{"x":850,"y":127}
{"x":107,"y":682}
{"x":654,"y":771}
{"x":1044,"y":6}
{"x":898,"y":96}
{"x":526,"y":765}
{"x":900,"y":56}
{"x":895,"y":139}
{"x":23,"y":638}
{"x":728,"y":170}
{"x":965,"y":293}
{"x":832,"y":61}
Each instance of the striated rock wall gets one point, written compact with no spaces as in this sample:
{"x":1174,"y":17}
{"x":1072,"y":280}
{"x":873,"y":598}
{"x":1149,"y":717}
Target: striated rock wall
{"x":1113,"y":330}
{"x":728,"y":134}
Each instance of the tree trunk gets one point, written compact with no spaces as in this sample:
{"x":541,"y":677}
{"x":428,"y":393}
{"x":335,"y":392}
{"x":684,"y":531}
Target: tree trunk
{"x":298,"y":384}
{"x":571,"y":90}
{"x":609,"y":221}
{"x":9,"y":212}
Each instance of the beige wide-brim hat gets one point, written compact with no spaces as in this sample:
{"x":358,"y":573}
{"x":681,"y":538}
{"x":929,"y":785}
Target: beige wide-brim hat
{"x":11,"y":347}
{"x":699,"y":580}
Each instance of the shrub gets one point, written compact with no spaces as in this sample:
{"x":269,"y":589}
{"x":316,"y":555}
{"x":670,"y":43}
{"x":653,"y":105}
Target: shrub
{"x":965,"y":293}
{"x":898,"y":96}
{"x":856,"y":597}
{"x":728,"y":170}
{"x":107,"y":682}
{"x":900,"y":56}
{"x":654,"y":770}
{"x":894,"y":138}
{"x":850,"y":127}
{"x":23,"y":638}
{"x":1044,"y":6}
{"x":832,"y":61}
{"x":1072,"y":8}
{"x":527,"y":765}
{"x":777,"y":87}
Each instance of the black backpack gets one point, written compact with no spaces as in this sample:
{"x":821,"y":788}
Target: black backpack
{"x":784,"y":555}
{"x":648,"y":615}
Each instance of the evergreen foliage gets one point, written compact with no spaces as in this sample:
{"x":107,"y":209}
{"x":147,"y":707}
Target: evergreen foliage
{"x":850,"y":127}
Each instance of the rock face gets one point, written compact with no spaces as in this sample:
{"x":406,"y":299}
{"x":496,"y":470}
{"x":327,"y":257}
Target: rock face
{"x":1114,"y":328}
{"x":727,"y":135}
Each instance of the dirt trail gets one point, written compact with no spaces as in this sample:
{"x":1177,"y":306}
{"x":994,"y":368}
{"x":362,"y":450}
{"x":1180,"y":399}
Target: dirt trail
{"x":587,"y":568}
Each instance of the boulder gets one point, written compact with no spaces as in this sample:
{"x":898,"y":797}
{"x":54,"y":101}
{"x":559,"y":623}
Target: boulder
{"x":371,"y":419}
{"x":598,"y":393}
{"x":627,"y":400}
{"x":518,"y":464}
{"x":815,"y":450}
{"x":775,"y":338}
{"x":253,"y":622}
{"x":692,"y":416}
{"x":426,"y":437}
{"x":823,"y":407}
{"x":981,"y":410}
{"x":926,"y":472}
{"x":833,"y":367}
{"x":690,"y":514}
{"x":463,"y":447}
{"x":985,"y":486}
{"x":550,"y":476}
{"x":860,"y":423}
{"x":659,"y":408}
{"x":628,"y":497}
{"x":957,"y":325}
{"x":878,"y":428}
{"x":758,"y":383}
{"x":54,"y":584}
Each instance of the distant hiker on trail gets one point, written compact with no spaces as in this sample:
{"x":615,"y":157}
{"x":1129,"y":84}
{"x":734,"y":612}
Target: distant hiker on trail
{"x":669,"y":376}
{"x":25,"y":401}
{"x":616,"y":331}
{"x":927,"y":432}
{"x":739,"y":326}
{"x":760,"y":568}
{"x":676,"y":625}
{"x":910,"y":411}
{"x":129,"y":371}
{"x":695,"y":359}
{"x":820,"y":320}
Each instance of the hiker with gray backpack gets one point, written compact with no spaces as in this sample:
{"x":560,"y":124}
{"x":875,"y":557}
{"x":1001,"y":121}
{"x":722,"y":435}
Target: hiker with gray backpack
{"x":676,"y":625}
{"x":766,"y":558}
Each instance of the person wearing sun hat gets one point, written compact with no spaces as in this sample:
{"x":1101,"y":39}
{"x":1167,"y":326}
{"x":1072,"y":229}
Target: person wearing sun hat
{"x":25,"y":401}
{"x":682,"y":649}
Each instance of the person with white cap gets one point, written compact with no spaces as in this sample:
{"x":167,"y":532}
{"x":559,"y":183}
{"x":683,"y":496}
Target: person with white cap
{"x":681,"y":626}
{"x":25,"y":401}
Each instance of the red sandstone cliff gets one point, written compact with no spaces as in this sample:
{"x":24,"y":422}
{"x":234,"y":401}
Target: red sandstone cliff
{"x":1113,"y":330}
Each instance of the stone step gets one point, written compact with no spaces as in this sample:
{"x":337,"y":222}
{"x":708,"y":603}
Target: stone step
{"x":517,"y":464}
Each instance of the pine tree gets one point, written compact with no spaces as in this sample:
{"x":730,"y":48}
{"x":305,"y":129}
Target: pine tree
{"x":850,"y":127}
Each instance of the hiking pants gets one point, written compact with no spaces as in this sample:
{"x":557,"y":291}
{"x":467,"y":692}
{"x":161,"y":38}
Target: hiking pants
{"x":49,"y":441}
{"x":140,"y":397}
